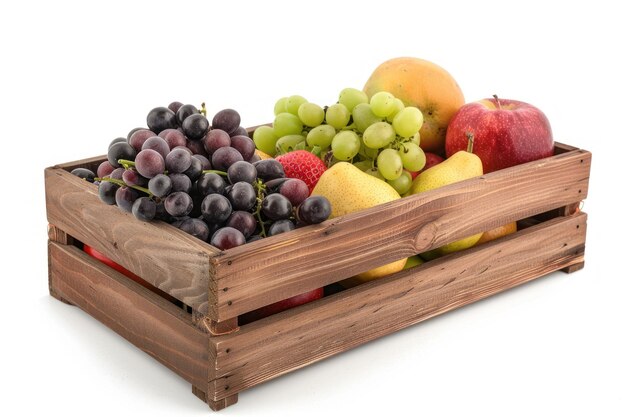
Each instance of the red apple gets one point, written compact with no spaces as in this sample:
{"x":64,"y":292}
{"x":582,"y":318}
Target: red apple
{"x":279,"y":306}
{"x":506,"y":132}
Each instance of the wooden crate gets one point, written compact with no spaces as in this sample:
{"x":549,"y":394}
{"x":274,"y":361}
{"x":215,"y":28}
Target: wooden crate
{"x":199,"y":338}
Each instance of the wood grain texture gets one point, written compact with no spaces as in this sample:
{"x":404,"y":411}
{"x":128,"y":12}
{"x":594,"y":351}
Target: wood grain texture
{"x":149,"y":322}
{"x":278,"y":344}
{"x":161,"y":254}
{"x":269,"y":270}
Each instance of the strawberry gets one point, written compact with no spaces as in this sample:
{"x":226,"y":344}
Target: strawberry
{"x":302,"y":165}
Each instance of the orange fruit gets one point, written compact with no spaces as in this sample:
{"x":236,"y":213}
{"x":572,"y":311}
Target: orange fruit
{"x":425,"y":85}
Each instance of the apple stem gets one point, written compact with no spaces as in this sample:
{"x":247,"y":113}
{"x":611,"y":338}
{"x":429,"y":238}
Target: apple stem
{"x":495,"y":96}
{"x":470,"y":142}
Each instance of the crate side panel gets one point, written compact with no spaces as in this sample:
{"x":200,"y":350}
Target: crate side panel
{"x":149,"y":322}
{"x":289,"y":340}
{"x":164,"y":256}
{"x":272,"y":269}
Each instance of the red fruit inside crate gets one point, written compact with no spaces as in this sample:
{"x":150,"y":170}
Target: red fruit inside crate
{"x":107,"y":261}
{"x":302,"y":165}
{"x":279,"y":306}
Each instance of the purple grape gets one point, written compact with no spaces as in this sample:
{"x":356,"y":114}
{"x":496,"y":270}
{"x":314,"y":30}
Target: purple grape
{"x":144,"y":209}
{"x":178,"y":160}
{"x":149,"y":163}
{"x":243,"y":221}
{"x":244,"y":145}
{"x":137,"y":139}
{"x":106,"y":192}
{"x":125,"y":197}
{"x":206,"y":164}
{"x":241,"y":131}
{"x":160,"y":185}
{"x":158,"y":144}
{"x":195,"y":126}
{"x":196,"y":147}
{"x":117,"y":173}
{"x":120,"y":150}
{"x":273,"y":186}
{"x":313,"y":210}
{"x":223,"y":158}
{"x":195,"y":169}
{"x":185,"y":111}
{"x":215,"y":208}
{"x":242,"y":171}
{"x":84,"y":173}
{"x":227,"y":237}
{"x":269,"y":169}
{"x":131,"y":177}
{"x":178,"y":204}
{"x":132,"y":132}
{"x":254,"y":158}
{"x":174,"y":106}
{"x":215,"y":139}
{"x":117,"y":140}
{"x":105,"y":168}
{"x":276,"y":207}
{"x":180,"y":182}
{"x":242,"y":196}
{"x":161,"y":118}
{"x":280,"y":226}
{"x":210,"y":183}
{"x":227,"y":120}
{"x":173,"y":137}
{"x":254,"y":238}
{"x":295,"y":190}
{"x":195,"y":227}
{"x":184,"y":148}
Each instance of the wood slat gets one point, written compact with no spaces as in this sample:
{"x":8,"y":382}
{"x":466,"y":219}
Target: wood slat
{"x":156,"y":326}
{"x":282,"y":266}
{"x":292,"y":339}
{"x":163,"y":255}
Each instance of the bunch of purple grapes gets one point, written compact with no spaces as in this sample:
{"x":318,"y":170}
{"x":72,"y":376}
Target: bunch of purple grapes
{"x":204,"y":178}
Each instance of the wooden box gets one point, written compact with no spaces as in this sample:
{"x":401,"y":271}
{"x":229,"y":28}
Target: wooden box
{"x":194,"y":330}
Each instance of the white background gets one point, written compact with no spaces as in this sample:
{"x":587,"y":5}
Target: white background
{"x":76,"y":75}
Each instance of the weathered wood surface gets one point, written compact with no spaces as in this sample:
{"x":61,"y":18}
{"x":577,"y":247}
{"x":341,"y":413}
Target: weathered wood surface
{"x":273,"y":346}
{"x":265,"y":271}
{"x":162,"y":255}
{"x":156,"y":326}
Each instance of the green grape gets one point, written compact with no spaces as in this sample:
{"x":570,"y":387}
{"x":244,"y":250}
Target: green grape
{"x":415,"y":139}
{"x":280,"y":106}
{"x":402,"y":184}
{"x":363,"y":165}
{"x":397,"y":106}
{"x":363,"y":116}
{"x":408,"y":121}
{"x":413,"y":157}
{"x":265,"y":139}
{"x":350,"y":97}
{"x":389,"y":164}
{"x":287,"y":124}
{"x":378,"y":135}
{"x":375,"y":173}
{"x":321,"y":136}
{"x":311,"y":114}
{"x":293,"y":104}
{"x":345,"y":145}
{"x":337,"y":116}
{"x":367,"y":152}
{"x":382,"y":103}
{"x":289,"y":143}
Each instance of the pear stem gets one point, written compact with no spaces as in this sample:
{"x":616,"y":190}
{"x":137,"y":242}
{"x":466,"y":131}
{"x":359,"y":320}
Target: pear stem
{"x":495,"y":96}
{"x":470,"y":142}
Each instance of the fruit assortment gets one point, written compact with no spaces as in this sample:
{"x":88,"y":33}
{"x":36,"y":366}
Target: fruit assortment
{"x":407,"y":132}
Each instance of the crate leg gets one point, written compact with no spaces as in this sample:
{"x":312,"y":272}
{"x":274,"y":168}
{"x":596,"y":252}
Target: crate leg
{"x":215,"y":405}
{"x":57,"y":235}
{"x":213,"y":328}
{"x":573,"y":268}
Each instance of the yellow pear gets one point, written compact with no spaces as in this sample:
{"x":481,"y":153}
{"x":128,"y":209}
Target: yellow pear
{"x":349,"y":189}
{"x":460,"y":166}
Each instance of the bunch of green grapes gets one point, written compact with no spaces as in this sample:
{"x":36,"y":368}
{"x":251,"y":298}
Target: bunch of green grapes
{"x":379,"y":135}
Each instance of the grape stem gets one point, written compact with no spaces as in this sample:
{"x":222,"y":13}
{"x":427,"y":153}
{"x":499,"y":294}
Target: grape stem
{"x":203,"y":109}
{"x":260,"y":193}
{"x":215,"y":171}
{"x":127,"y":164}
{"x":123,"y":184}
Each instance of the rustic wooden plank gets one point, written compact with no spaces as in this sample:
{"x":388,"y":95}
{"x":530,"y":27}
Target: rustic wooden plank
{"x":278,"y":344}
{"x":154,"y":325}
{"x":161,"y":254}
{"x":59,"y":236}
{"x":282,"y":266}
